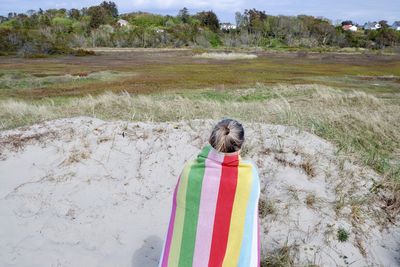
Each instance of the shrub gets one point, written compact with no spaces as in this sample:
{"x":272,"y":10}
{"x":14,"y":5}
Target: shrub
{"x":83,"y":53}
{"x":36,"y":55}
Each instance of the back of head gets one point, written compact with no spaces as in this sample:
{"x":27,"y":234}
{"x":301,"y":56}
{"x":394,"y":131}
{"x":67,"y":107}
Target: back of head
{"x":227,"y":136}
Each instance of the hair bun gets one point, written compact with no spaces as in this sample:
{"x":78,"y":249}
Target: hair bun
{"x":227,"y":130}
{"x":227,"y":136}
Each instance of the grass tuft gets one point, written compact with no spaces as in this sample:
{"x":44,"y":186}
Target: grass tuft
{"x":342,"y":235}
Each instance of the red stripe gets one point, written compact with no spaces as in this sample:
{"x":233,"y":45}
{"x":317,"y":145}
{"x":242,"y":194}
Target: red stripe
{"x":226,"y":195}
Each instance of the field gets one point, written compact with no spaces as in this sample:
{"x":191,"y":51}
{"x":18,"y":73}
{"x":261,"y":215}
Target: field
{"x":349,"y":99}
{"x":141,"y":71}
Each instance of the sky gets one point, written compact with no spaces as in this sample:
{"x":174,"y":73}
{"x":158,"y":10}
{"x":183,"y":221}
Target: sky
{"x":358,"y":11}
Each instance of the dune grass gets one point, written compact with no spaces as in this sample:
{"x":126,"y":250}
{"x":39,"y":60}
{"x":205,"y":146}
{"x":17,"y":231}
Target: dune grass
{"x":363,"y":127}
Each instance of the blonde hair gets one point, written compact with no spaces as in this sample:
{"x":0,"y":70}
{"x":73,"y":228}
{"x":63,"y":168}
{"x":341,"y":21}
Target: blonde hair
{"x":227,"y":136}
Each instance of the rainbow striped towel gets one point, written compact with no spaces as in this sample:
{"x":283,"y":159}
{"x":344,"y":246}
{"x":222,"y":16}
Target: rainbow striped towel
{"x":214,"y":218}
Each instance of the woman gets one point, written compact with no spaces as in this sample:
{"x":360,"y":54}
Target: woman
{"x":214,"y":218}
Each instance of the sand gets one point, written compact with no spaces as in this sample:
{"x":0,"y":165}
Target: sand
{"x":225,"y":56}
{"x":85,"y":192}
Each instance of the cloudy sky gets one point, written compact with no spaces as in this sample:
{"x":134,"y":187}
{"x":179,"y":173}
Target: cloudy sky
{"x":356,"y":10}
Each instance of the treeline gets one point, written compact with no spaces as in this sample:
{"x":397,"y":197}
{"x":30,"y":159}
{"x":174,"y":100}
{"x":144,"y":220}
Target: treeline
{"x":57,"y":31}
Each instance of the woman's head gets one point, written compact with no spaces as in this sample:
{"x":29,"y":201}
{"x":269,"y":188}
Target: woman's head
{"x":227,"y":136}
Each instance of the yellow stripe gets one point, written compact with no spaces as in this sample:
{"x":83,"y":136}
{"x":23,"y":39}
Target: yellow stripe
{"x":236,"y":230}
{"x":179,"y":217}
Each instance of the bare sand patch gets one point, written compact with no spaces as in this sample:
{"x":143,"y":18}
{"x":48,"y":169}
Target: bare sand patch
{"x":225,"y":56}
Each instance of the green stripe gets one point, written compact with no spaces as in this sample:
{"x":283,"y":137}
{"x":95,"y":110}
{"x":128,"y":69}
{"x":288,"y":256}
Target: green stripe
{"x":193,"y":193}
{"x":180,"y":216}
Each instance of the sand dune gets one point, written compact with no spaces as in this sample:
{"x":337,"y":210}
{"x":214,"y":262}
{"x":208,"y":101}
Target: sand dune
{"x":85,"y":192}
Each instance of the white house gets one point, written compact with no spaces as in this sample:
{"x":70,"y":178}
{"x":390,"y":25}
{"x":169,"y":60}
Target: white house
{"x":372,"y":26}
{"x":350,"y":27}
{"x":396,"y":26}
{"x":227,"y":26}
{"x":122,"y":23}
{"x":353,"y":28}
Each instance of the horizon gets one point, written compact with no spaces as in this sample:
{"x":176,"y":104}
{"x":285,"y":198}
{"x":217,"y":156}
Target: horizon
{"x":359,"y":14}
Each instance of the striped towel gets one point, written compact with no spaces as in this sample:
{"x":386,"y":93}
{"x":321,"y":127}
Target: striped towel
{"x":214,"y":218}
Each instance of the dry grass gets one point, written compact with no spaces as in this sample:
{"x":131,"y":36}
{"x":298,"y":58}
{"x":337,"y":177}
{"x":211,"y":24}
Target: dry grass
{"x":266,"y":207}
{"x":308,"y":168}
{"x":310,"y":200}
{"x":282,"y":257}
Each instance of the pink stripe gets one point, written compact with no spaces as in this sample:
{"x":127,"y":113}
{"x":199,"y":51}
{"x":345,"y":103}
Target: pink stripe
{"x":258,"y":240}
{"x":170,"y":229}
{"x":208,"y":202}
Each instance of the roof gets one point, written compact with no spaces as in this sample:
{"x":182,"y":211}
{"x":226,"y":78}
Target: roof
{"x":396,"y":24}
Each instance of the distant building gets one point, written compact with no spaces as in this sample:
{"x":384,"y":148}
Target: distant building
{"x":227,"y":26}
{"x":372,"y":26}
{"x":396,"y":26}
{"x":122,"y":23}
{"x":350,"y":27}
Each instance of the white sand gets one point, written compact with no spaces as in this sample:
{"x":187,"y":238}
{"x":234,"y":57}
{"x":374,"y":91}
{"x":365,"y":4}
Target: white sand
{"x":225,"y":56}
{"x":75,"y":192}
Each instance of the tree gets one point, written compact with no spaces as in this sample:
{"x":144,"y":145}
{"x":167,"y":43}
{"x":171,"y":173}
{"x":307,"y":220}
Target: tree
{"x":384,"y":24}
{"x":11,"y":15}
{"x":255,"y":19}
{"x":111,"y":7}
{"x":31,"y":12}
{"x":208,"y":19}
{"x":74,"y":14}
{"x":98,"y":16}
{"x":184,"y":15}
{"x":239,"y":19}
{"x":62,"y":12}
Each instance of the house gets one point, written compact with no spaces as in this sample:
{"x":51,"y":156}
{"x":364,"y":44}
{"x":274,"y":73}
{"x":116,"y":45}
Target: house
{"x":350,"y":27}
{"x":396,"y":26}
{"x":227,"y":26}
{"x":122,"y":23}
{"x":372,"y":26}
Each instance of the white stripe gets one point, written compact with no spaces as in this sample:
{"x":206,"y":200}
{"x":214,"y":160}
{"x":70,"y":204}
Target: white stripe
{"x":254,"y":245}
